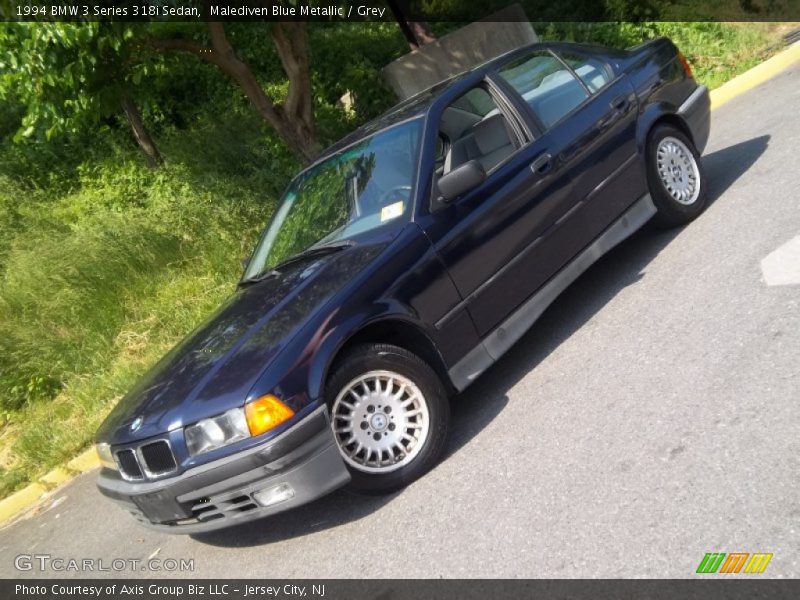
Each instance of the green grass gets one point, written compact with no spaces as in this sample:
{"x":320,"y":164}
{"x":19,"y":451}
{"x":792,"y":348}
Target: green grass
{"x":103,"y":272}
{"x":104,"y":264}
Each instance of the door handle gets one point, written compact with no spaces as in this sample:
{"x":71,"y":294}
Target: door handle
{"x":620,"y":104}
{"x":542,"y":164}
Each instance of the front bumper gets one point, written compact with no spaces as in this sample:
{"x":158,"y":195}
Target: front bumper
{"x":696,"y":112}
{"x":220,"y":494}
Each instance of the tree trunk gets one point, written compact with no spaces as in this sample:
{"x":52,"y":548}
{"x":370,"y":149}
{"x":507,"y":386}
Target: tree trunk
{"x":140,"y":133}
{"x":422,"y":32}
{"x":291,"y":42}
{"x":417,"y":33}
{"x":294,"y":120}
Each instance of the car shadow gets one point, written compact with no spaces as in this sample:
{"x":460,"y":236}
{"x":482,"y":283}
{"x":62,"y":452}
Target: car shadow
{"x":726,"y":165}
{"x":619,"y":268}
{"x":475,"y":408}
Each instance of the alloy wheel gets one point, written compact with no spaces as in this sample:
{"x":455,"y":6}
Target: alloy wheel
{"x":380,"y":420}
{"x":678,"y":170}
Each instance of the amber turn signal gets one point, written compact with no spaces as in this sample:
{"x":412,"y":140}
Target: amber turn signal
{"x":265,"y":413}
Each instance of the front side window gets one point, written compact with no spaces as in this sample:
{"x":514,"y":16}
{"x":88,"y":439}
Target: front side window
{"x":546,"y":85}
{"x":477,"y":130}
{"x":363,"y":187}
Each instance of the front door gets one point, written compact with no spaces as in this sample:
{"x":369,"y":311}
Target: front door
{"x":487,"y":238}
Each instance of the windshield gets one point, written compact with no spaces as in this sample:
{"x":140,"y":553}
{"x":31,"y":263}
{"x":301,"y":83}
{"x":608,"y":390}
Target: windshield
{"x":361,"y":188}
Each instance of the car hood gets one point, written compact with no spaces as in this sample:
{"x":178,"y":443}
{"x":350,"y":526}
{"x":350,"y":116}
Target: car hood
{"x":214,"y":368}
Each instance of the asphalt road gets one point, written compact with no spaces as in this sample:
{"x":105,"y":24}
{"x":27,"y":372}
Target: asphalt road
{"x":651,"y":416}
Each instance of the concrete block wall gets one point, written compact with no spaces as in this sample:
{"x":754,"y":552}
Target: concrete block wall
{"x":459,"y":51}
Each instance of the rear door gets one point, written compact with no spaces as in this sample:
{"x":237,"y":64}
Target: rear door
{"x":588,"y":114}
{"x":607,"y":172}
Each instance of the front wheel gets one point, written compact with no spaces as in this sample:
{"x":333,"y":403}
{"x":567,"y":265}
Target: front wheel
{"x":675,"y":177}
{"x":390,"y":416}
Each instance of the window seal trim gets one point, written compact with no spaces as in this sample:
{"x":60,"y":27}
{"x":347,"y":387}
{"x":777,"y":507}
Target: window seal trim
{"x":589,"y":98}
{"x":507,"y":107}
{"x":609,"y":71}
{"x":540,"y":125}
{"x":573,"y":73}
{"x":555,"y":53}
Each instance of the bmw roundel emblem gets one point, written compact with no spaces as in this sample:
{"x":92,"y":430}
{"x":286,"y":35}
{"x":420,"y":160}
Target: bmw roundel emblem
{"x":137,"y":422}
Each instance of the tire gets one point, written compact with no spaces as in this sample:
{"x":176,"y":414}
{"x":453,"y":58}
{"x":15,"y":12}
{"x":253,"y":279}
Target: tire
{"x":675,"y":177}
{"x":370,"y":379}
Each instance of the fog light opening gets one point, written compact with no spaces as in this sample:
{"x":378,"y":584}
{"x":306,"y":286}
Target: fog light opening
{"x":274,"y":495}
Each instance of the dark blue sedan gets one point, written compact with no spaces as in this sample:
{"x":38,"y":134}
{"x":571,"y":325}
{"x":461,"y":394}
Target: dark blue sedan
{"x":395,"y":270}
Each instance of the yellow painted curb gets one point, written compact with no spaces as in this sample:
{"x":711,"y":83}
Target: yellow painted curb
{"x":28,"y":496}
{"x":19,"y":501}
{"x":85,"y":461}
{"x":755,"y":76}
{"x":56,"y":477}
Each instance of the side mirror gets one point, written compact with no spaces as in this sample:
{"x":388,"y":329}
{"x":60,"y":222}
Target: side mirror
{"x":460,"y":180}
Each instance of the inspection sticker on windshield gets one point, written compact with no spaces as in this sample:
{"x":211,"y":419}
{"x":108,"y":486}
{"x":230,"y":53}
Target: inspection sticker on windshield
{"x":392,"y":211}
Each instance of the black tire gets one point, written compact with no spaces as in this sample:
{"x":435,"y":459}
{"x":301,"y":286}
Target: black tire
{"x":384,"y":357}
{"x":671,"y":212}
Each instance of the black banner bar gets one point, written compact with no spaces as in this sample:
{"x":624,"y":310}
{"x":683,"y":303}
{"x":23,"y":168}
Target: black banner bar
{"x":729,"y":588}
{"x":388,"y":10}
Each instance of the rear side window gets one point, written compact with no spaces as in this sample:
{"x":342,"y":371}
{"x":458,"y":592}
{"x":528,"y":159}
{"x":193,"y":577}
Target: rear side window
{"x":548,"y":87}
{"x":594,"y":73}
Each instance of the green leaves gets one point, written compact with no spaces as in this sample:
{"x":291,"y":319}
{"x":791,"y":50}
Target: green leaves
{"x":58,"y":69}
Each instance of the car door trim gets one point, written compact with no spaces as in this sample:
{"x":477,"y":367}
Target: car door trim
{"x":524,"y":253}
{"x":613,"y":175}
{"x":494,"y":345}
{"x":693,"y":98}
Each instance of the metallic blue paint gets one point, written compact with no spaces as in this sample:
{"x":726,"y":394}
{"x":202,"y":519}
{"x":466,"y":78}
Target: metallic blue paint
{"x":452,"y":274}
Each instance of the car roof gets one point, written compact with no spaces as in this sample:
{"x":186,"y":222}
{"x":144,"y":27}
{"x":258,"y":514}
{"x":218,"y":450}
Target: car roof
{"x":419,"y":104}
{"x":413,"y":107}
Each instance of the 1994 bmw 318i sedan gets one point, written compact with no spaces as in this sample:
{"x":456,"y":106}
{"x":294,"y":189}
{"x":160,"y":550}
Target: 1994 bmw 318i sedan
{"x":395,"y":270}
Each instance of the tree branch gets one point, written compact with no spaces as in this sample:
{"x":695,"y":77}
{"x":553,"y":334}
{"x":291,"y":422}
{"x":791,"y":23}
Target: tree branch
{"x":162,"y":45}
{"x":294,"y":121}
{"x":222,"y":55}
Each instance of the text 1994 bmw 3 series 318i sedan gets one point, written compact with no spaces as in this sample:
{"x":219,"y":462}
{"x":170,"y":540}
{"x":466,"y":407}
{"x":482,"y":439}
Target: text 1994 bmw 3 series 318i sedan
{"x":395,"y":270}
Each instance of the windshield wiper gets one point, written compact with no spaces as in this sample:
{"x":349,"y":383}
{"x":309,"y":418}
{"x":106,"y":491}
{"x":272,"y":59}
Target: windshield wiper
{"x":259,"y":277}
{"x":312,"y":252}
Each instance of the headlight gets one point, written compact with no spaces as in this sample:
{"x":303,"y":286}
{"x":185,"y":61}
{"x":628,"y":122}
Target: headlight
{"x":105,"y":456}
{"x":215,"y":432}
{"x":257,"y":417}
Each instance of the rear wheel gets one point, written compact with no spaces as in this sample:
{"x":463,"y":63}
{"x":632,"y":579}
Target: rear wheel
{"x":675,"y":177}
{"x":390,"y":416}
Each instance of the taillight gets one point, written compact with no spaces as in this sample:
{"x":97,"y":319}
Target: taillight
{"x":687,"y":68}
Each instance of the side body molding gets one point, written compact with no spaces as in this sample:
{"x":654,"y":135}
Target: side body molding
{"x":497,"y":343}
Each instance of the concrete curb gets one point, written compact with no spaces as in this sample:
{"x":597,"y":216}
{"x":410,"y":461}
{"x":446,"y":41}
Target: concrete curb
{"x":28,"y":497}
